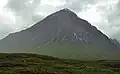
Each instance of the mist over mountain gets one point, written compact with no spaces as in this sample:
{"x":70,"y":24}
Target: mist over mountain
{"x":61,"y":34}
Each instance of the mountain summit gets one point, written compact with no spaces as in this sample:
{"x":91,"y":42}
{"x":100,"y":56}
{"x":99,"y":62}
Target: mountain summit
{"x":62,"y":34}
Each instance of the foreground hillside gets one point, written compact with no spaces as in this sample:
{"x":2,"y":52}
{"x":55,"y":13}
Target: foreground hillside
{"x":21,"y":63}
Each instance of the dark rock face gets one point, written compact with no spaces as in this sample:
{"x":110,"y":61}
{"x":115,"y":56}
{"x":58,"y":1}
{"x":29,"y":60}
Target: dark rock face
{"x":62,"y":27}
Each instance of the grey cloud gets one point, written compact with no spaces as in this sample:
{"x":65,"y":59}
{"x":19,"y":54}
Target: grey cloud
{"x":37,"y":18}
{"x":78,"y":5}
{"x":22,"y":5}
{"x":114,"y":13}
{"x":25,"y":9}
{"x":16,"y":5}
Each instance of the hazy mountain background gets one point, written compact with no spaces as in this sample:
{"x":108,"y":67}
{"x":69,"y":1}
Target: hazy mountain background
{"x":62,"y":34}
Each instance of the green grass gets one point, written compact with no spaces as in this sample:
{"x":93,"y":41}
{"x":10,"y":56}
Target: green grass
{"x":22,"y":63}
{"x":76,"y":51}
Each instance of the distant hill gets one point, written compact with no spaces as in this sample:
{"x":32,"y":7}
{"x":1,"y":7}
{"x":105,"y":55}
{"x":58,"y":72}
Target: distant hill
{"x":62,"y":34}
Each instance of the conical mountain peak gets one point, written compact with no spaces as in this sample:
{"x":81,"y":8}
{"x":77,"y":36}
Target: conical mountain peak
{"x":61,"y":32}
{"x":66,"y":10}
{"x":63,"y":13}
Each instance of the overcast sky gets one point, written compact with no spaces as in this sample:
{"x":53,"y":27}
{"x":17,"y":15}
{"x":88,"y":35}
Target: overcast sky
{"x":16,"y":15}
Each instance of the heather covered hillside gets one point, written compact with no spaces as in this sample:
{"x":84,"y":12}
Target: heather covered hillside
{"x":21,"y":63}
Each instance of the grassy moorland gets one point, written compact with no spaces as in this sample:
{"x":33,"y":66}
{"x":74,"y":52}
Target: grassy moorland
{"x":21,"y":63}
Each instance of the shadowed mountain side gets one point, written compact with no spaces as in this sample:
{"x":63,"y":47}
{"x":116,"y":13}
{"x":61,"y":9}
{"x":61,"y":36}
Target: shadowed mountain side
{"x":116,"y":42}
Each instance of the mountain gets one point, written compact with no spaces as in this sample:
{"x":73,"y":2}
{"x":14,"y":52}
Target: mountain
{"x":62,"y":34}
